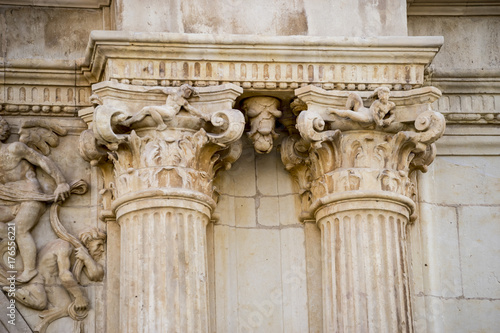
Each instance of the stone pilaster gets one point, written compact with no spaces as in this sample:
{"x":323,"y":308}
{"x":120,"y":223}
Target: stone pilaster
{"x":354,"y":165}
{"x":165,"y":156}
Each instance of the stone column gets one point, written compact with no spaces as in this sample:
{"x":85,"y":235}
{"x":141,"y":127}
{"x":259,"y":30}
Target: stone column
{"x":164,"y":160}
{"x":355,"y":164}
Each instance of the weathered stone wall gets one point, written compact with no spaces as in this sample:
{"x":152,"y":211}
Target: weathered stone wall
{"x":274,"y":18}
{"x":264,"y":264}
{"x":455,"y":242}
{"x":47,"y":33}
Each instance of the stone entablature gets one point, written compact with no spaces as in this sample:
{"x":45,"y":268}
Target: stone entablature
{"x":46,"y":88}
{"x":259,"y":62}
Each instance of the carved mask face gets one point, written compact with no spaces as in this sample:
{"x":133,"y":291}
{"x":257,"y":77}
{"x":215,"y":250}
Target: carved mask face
{"x":383,"y":95}
{"x":186,"y":92}
{"x":4,"y":130}
{"x":96,"y":248}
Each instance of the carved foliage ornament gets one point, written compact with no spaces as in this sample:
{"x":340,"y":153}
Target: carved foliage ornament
{"x":360,"y":148}
{"x":177,"y":145}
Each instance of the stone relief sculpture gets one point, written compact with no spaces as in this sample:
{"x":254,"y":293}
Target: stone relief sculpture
{"x":23,"y":201}
{"x":176,"y":100}
{"x":380,"y":112}
{"x":393,"y":147}
{"x":262,"y":112}
{"x":179,"y":141}
{"x":52,"y":281}
{"x":56,"y":286}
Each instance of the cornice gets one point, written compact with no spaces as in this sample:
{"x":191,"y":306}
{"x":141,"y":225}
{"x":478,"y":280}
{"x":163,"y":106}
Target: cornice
{"x":466,"y":81}
{"x":453,"y":8}
{"x":260,"y":62}
{"x":42,"y":87}
{"x":58,"y":3}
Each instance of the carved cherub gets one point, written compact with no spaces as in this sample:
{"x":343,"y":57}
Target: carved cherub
{"x":382,"y":108}
{"x":23,"y":201}
{"x":176,"y":100}
{"x":380,"y":112}
{"x":55,"y":281}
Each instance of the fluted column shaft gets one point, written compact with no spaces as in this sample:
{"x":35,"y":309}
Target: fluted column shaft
{"x":163,"y":266}
{"x":365,"y":274}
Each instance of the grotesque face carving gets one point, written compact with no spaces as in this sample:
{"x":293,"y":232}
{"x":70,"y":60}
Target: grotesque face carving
{"x":186,"y":91}
{"x":4,"y":129}
{"x":96,"y":248}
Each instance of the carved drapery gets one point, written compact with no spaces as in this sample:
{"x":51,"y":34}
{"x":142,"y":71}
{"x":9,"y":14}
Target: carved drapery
{"x":353,"y":164}
{"x":164,"y":158}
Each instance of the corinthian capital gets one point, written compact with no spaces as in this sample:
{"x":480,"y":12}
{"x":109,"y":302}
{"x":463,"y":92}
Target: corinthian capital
{"x":365,"y":142}
{"x":165,"y":139}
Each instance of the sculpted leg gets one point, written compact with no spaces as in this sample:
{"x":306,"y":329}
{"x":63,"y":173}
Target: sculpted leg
{"x":33,"y":295}
{"x":358,"y":116}
{"x":27,"y":217}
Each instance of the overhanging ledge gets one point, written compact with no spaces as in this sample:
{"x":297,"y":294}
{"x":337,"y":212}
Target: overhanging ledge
{"x":258,"y":62}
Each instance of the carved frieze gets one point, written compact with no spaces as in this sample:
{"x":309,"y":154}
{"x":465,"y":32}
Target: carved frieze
{"x":38,"y":88}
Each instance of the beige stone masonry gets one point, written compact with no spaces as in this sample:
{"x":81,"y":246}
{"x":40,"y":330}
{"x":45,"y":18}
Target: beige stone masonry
{"x":258,"y":62}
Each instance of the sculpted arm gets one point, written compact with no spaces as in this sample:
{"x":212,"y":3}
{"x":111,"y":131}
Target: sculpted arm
{"x":47,"y":165}
{"x":196,"y":112}
{"x":94,"y":270}
{"x":68,"y":280}
{"x":164,"y":90}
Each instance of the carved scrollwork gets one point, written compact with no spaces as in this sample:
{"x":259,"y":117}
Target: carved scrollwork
{"x":360,"y":148}
{"x":191,"y":142}
{"x":230,"y":122}
{"x":311,"y":127}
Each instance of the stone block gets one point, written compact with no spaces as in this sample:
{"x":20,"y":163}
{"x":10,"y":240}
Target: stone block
{"x":240,"y":179}
{"x":226,"y":279}
{"x":49,"y":33}
{"x":480,"y":36}
{"x":294,"y":277}
{"x":314,"y":277}
{"x":268,"y":212}
{"x":289,"y":210}
{"x":259,"y":292}
{"x":470,"y":180}
{"x":480,"y":250}
{"x":440,"y":251}
{"x":462,"y":315}
{"x":267,"y":177}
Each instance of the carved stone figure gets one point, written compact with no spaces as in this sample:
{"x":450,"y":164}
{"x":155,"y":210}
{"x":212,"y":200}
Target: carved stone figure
{"x":262,"y":112}
{"x":22,"y":198}
{"x":56,"y":287}
{"x":380,"y":112}
{"x":176,"y":100}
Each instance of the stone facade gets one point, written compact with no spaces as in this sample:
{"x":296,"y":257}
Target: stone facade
{"x":309,"y":166}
